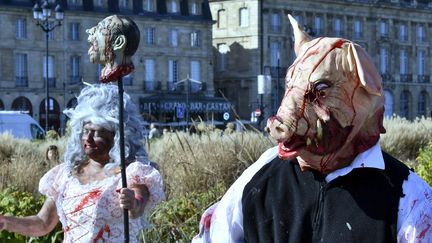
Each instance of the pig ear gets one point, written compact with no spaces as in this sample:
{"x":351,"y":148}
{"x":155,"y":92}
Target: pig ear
{"x":300,"y":37}
{"x":362,"y":63}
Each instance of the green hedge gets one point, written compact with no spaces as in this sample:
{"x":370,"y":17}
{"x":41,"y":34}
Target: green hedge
{"x":177,"y":220}
{"x":14,"y":202}
{"x":424,"y":164}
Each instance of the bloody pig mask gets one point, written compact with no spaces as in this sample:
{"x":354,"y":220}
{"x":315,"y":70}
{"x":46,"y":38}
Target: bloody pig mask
{"x":333,"y":105}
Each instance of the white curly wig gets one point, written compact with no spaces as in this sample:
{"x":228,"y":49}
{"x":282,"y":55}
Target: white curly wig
{"x":98,"y":104}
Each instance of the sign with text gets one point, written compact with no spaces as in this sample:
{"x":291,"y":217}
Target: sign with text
{"x":194,"y":106}
{"x":180,"y":112}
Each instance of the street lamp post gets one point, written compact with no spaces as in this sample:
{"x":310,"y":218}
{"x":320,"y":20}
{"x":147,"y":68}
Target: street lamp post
{"x":277,"y":83}
{"x":187,"y":81}
{"x":264,"y":85}
{"x":43,"y":18}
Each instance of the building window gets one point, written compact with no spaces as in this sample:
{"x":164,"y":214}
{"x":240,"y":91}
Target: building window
{"x":173,"y":38}
{"x":124,"y":4}
{"x":21,"y":70}
{"x":384,"y":29}
{"x":195,"y":39}
{"x":275,"y":22}
{"x":403,"y":33}
{"x":298,"y":18}
{"x":222,"y":54}
{"x":338,"y":27}
{"x":149,"y":5}
{"x":21,"y":29}
{"x":99,"y":3}
{"x":149,"y":38}
{"x":194,"y":7}
{"x":172,"y":6}
{"x":388,"y":104}
{"x":127,"y":80}
{"x":75,"y":70}
{"x":421,"y":62}
{"x":421,"y":33}
{"x":318,"y":26}
{"x":358,"y":29}
{"x":275,"y":48}
{"x":244,"y":17}
{"x":384,"y":60}
{"x":51,"y":80}
{"x":172,"y":73}
{"x":149,"y":74}
{"x":22,"y":104}
{"x":404,"y":104}
{"x":51,"y":104}
{"x":75,"y":2}
{"x":74,"y":31}
{"x":195,"y":74}
{"x":221,"y":18}
{"x":403,"y":62}
{"x":422,"y":104}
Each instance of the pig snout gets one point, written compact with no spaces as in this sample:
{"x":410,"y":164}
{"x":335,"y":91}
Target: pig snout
{"x":278,"y":129}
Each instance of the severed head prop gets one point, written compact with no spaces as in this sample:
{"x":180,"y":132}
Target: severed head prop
{"x":113,"y":41}
{"x":333,"y":105}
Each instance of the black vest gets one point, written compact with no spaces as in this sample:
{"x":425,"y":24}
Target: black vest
{"x":283,"y":204}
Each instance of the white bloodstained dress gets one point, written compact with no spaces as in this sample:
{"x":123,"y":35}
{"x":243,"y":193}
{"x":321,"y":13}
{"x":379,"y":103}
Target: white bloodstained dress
{"x":91,"y":212}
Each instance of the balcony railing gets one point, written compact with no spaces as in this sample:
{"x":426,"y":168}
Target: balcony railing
{"x":358,"y":35}
{"x":385,"y":37}
{"x":421,"y":39}
{"x":387,"y":77}
{"x":21,"y":81}
{"x":152,"y":85}
{"x":403,"y":38}
{"x":181,"y":87}
{"x":338,"y":33}
{"x":127,"y":81}
{"x":275,"y":28}
{"x":74,"y":79}
{"x":203,"y":86}
{"x":51,"y":82}
{"x":423,"y":78}
{"x":275,"y":71}
{"x":173,"y":88}
{"x":406,"y":78}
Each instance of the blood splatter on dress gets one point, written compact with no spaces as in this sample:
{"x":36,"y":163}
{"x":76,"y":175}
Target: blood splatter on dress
{"x":91,"y":212}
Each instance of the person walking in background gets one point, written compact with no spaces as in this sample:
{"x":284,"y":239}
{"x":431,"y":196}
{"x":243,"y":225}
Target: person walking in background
{"x":84,"y":193}
{"x":52,"y":155}
{"x":154,"y":132}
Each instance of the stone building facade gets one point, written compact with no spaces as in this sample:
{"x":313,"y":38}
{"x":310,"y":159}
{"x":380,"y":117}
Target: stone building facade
{"x":175,"y":48}
{"x":253,"y":37}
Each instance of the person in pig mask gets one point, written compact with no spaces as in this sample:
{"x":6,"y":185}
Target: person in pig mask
{"x":328,"y":179}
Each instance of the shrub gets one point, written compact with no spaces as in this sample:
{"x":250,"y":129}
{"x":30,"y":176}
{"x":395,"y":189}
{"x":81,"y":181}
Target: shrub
{"x":51,"y":134}
{"x":17,"y":203}
{"x":424,"y":166}
{"x":202,"y":161}
{"x":177,"y":220}
{"x":22,"y":161}
{"x":405,"y":138}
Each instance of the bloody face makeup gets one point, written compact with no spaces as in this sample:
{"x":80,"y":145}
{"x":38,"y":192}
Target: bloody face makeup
{"x":97,"y":142}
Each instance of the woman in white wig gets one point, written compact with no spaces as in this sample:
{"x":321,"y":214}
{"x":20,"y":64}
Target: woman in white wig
{"x":85,"y":192}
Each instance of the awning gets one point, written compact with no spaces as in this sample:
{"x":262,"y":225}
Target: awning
{"x":167,"y":103}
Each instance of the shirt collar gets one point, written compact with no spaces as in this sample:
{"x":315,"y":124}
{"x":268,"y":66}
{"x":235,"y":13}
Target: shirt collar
{"x":371,"y":158}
